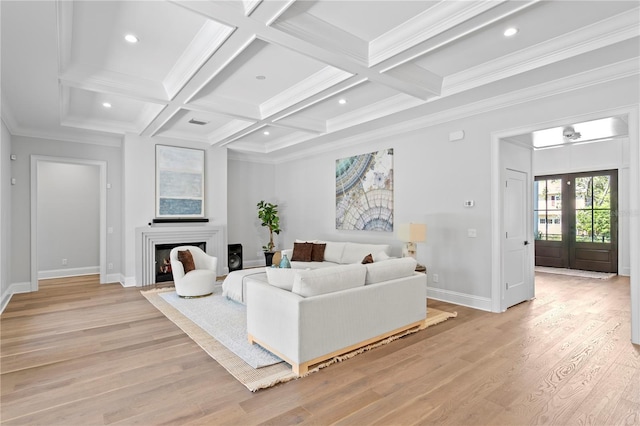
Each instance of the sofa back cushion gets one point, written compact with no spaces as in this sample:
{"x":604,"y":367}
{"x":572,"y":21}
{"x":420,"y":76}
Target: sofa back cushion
{"x":333,"y":251}
{"x":281,"y":277}
{"x":315,"y":282}
{"x":390,"y":269}
{"x":355,"y":252}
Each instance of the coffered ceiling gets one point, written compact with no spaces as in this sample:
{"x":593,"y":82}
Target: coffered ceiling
{"x":269,"y":77}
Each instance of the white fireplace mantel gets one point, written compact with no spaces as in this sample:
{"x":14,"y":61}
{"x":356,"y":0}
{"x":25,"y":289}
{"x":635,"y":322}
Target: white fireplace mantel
{"x":149,"y":236}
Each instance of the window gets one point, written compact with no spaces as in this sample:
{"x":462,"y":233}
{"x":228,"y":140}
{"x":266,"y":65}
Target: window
{"x":548,"y":209}
{"x":593,"y":209}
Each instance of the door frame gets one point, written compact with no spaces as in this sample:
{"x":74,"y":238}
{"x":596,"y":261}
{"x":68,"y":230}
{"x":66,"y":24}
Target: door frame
{"x":102,"y":165}
{"x":633,"y":114}
{"x":498,"y":176}
{"x":568,"y":244}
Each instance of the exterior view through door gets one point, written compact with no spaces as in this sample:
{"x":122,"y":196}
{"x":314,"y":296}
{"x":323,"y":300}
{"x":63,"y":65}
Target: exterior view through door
{"x":576,"y":222}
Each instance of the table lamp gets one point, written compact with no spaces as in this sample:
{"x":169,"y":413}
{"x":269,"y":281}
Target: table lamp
{"x":411,"y":233}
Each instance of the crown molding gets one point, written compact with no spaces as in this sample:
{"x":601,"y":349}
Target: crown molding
{"x":7,"y":116}
{"x":287,"y":141}
{"x":92,"y":138}
{"x":418,"y":76}
{"x":324,"y":35}
{"x":306,"y":124}
{"x":227,"y":130}
{"x":431,"y":22}
{"x":396,"y":103}
{"x":98,"y":80}
{"x":64,"y":22}
{"x":209,"y":38}
{"x":227,"y":107}
{"x":604,"y":33}
{"x":583,"y":80}
{"x":316,"y":83}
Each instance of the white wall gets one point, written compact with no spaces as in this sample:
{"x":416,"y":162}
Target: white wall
{"x":606,"y":155}
{"x":5,"y":215}
{"x":138,"y":157}
{"x":248,"y":183}
{"x":24,"y":147}
{"x":68,"y":219}
{"x":432,"y":178}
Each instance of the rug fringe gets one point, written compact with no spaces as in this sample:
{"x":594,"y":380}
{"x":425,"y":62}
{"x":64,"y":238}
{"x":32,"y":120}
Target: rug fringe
{"x":269,"y":376}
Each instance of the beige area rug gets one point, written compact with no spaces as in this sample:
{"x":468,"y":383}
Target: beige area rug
{"x":265,"y":377}
{"x":575,"y":272}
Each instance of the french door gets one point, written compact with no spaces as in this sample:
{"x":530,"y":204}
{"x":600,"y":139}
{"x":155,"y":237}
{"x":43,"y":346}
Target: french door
{"x":576,"y":221}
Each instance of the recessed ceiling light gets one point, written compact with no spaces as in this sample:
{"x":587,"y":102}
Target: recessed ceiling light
{"x":342,"y":101}
{"x":131,"y":38}
{"x":106,"y":104}
{"x":510,"y":32}
{"x":261,"y":77}
{"x":266,"y":133}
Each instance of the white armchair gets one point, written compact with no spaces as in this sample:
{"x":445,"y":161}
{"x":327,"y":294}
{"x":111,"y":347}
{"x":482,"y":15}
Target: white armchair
{"x":199,"y":281}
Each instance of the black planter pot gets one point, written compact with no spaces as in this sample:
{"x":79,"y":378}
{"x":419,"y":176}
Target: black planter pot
{"x":268,"y":257}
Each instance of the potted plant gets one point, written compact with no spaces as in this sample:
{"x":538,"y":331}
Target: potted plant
{"x":268,"y":215}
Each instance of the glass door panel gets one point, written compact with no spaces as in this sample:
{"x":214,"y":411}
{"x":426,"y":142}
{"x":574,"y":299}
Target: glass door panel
{"x":582,"y":232}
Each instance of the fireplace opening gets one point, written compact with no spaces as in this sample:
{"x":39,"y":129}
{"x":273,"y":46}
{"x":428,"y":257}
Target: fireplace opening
{"x":163,"y":263}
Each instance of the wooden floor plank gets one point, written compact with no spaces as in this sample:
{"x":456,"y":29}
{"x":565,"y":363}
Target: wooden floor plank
{"x":80,"y":353}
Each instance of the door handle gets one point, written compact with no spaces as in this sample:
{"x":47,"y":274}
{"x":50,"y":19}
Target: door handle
{"x":526,"y":243}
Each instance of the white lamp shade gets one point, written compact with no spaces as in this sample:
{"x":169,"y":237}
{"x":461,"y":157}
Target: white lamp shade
{"x":412,"y":232}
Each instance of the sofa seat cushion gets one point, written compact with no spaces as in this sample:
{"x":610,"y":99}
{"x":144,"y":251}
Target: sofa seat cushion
{"x":390,"y":269}
{"x":308,"y":283}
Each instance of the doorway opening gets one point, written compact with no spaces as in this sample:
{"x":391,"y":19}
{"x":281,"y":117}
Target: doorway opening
{"x":36,"y":162}
{"x":576,"y":221}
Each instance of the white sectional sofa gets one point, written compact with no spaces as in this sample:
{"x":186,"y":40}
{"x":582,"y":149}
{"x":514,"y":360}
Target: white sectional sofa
{"x":340,"y":253}
{"x":335,"y":253}
{"x":307,"y":316}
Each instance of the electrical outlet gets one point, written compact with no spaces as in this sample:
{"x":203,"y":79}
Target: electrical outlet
{"x":110,"y":266}
{"x":64,"y":261}
{"x":436,"y":278}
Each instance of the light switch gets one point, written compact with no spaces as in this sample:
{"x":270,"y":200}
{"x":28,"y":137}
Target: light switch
{"x":472,"y":233}
{"x":13,"y":181}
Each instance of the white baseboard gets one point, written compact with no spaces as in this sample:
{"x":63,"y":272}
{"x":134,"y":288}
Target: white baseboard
{"x":113,"y":278}
{"x":70,"y":272}
{"x":625,"y":272}
{"x":476,"y":302}
{"x":14,"y":288}
{"x":128,"y":281}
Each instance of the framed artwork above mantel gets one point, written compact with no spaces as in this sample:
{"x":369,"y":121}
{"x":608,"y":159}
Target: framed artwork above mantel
{"x":180,"y":178}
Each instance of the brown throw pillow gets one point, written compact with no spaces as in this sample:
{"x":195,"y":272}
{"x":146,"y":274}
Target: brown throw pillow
{"x":187,"y":260}
{"x":302,"y":252}
{"x":317,"y":252}
{"x":367,"y":259}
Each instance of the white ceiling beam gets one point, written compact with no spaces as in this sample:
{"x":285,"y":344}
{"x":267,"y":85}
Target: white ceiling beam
{"x":228,"y":16}
{"x":235,"y":44}
{"x":449,"y":36}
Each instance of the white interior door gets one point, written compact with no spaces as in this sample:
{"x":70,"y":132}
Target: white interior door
{"x":516,"y":269}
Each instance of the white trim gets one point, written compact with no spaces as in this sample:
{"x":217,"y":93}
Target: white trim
{"x":35,"y":159}
{"x":69,"y":272}
{"x":634,"y":219}
{"x":128,"y":281}
{"x":14,"y":288}
{"x":476,"y":302}
{"x":633,"y":113}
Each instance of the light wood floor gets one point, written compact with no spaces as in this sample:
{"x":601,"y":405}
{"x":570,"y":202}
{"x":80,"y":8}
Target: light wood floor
{"x":80,"y":353}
